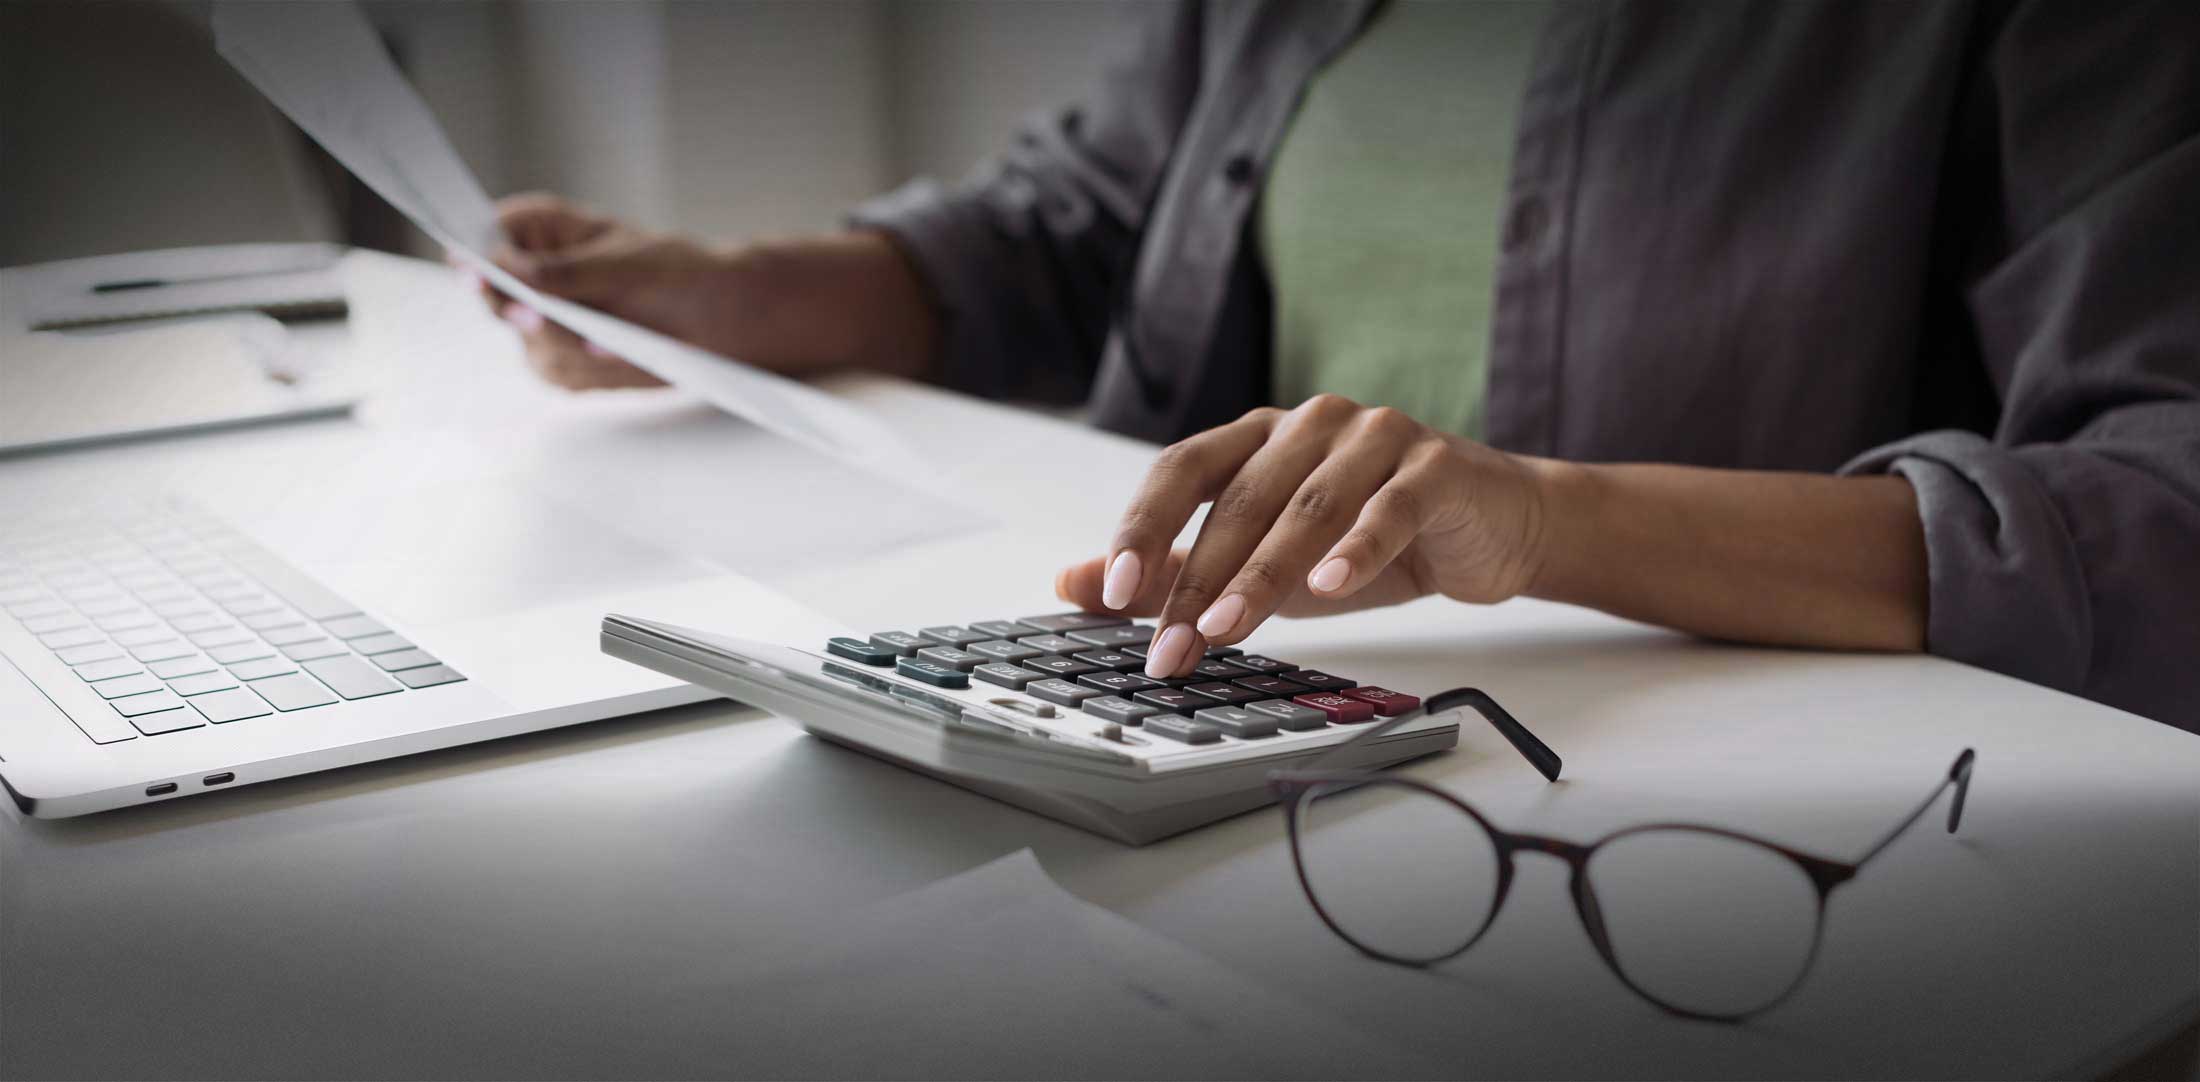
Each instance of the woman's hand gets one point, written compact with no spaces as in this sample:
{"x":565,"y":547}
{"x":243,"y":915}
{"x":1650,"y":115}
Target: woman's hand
{"x":1327,"y":507}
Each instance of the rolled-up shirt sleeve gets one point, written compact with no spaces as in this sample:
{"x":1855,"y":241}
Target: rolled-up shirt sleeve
{"x":2065,"y":548}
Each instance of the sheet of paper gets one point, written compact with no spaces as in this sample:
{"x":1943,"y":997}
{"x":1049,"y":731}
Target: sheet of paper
{"x":322,"y":65}
{"x":1000,"y":973}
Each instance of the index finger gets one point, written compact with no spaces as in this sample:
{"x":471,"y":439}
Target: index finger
{"x":1186,"y":474}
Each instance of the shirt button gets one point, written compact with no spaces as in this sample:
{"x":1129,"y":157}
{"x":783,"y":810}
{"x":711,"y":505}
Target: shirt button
{"x":1526,"y":223}
{"x":1239,"y":169}
{"x":1073,"y":121}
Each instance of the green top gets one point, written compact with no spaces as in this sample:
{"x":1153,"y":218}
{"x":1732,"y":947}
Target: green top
{"x":1379,"y":222}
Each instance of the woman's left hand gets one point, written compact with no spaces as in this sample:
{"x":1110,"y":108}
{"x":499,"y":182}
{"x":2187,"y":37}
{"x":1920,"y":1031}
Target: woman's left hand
{"x":1328,"y":507}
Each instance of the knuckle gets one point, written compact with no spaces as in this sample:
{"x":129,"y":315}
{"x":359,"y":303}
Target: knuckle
{"x":1198,"y":587}
{"x":1139,"y":523}
{"x":1312,"y":505}
{"x":1260,"y":575}
{"x":1241,"y":499}
{"x":1389,"y":422}
{"x":1174,"y":460}
{"x":1401,"y":504}
{"x":1327,"y":405}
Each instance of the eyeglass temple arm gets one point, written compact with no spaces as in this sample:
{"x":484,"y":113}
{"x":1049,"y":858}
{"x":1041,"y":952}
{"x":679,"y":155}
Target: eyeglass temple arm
{"x":1959,"y":775}
{"x":1538,"y":754}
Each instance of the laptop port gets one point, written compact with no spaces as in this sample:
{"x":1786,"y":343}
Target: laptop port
{"x":163,"y":789}
{"x":223,"y":778}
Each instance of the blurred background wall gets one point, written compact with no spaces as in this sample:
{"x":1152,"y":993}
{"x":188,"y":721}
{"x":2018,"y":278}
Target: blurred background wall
{"x":120,"y":128}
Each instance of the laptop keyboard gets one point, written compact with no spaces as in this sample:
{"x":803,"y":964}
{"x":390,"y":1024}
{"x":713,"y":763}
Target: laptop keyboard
{"x":1096,"y":664}
{"x":179,"y":622}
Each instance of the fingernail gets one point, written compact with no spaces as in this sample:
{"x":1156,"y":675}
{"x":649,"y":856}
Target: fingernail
{"x":595,"y":350}
{"x":1122,"y":582}
{"x":1331,"y":575}
{"x":1221,"y":616}
{"x":1169,"y":651}
{"x":1061,"y":584}
{"x":526,"y":319}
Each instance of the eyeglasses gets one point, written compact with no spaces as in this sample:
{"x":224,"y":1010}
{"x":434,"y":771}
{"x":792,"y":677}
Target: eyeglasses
{"x":1704,"y":922}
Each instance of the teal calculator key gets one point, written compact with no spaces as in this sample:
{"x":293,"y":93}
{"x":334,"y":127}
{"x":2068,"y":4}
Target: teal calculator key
{"x":900,"y":642}
{"x":859,"y":650}
{"x":937,"y":675}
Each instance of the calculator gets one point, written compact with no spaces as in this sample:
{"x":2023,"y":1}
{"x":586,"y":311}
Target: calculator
{"x":1055,"y":714}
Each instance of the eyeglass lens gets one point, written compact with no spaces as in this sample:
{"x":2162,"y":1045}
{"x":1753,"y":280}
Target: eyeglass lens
{"x":1398,"y":871}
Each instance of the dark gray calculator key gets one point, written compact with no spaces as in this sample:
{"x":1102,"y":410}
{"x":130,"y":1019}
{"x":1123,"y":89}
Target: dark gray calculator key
{"x":1226,"y":694}
{"x":1004,"y":650}
{"x":1012,"y":677}
{"x":296,"y":691}
{"x":1291,"y":716}
{"x":1119,"y":683}
{"x":351,"y":677}
{"x":1063,"y":622}
{"x":1064,"y":667}
{"x":931,"y":673}
{"x":1261,"y":664}
{"x":1119,"y":710}
{"x":1006,"y":629}
{"x":951,"y":657}
{"x":1223,"y":651}
{"x":859,"y":650}
{"x":429,"y":677}
{"x":1173,"y":700}
{"x":1054,"y":644}
{"x":1120,"y":635}
{"x":1182,"y":728}
{"x":1243,"y":724}
{"x":1111,"y":659}
{"x":954,"y":635}
{"x":1059,"y":691}
{"x":1272,"y":686}
{"x":1318,"y":680}
{"x":900,"y":642}
{"x":1218,"y":669}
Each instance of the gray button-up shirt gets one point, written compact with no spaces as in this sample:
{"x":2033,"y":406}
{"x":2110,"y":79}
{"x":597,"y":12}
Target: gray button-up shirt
{"x":1958,"y":240}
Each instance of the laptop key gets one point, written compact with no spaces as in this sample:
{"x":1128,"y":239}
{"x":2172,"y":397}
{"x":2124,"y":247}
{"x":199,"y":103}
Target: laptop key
{"x":220,"y":636}
{"x":1289,"y":715}
{"x":172,"y":720}
{"x":40,"y":625}
{"x":200,"y":684}
{"x":1060,"y":691}
{"x":1243,"y":724}
{"x":147,"y":702}
{"x":144,"y":636}
{"x":262,"y":668}
{"x":91,"y":651}
{"x":284,"y":636}
{"x":385,"y":643}
{"x":900,"y":642}
{"x":133,"y":684}
{"x":1183,"y":729}
{"x":198,"y":621}
{"x":414,"y":658}
{"x":351,"y":678}
{"x":241,"y":651}
{"x":272,"y":618}
{"x":318,"y":602}
{"x":75,"y":636}
{"x":353,"y":627}
{"x":232,"y":704}
{"x":162,"y":651}
{"x":108,"y":668}
{"x":1119,"y":710}
{"x":1013,"y":677}
{"x":429,"y":677}
{"x":314,"y":649}
{"x":859,"y":650}
{"x":296,"y":691}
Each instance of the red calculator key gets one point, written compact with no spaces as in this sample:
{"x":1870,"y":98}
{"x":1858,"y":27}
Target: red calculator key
{"x":1386,"y":702}
{"x":1339,"y":709}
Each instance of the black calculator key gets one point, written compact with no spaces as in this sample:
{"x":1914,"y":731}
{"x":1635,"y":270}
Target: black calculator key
{"x":1226,"y":694}
{"x":954,"y":635}
{"x":1291,"y":716}
{"x":1318,"y":680}
{"x":1274,"y":686}
{"x":951,"y":657}
{"x":1119,"y":683}
{"x":900,"y":642}
{"x":1006,"y":629}
{"x":1003,"y":650}
{"x":1218,"y":669}
{"x":1173,"y":700}
{"x":1223,"y":651}
{"x":1012,"y":677}
{"x":1056,"y":665}
{"x":859,"y":650}
{"x":933,"y":674}
{"x":1059,"y":691}
{"x":1054,"y":644}
{"x":1120,"y":635}
{"x":1063,"y":622}
{"x":1261,"y":664}
{"x":1111,"y":659}
{"x":1119,"y":710}
{"x":1243,"y":724}
{"x":1183,"y":728}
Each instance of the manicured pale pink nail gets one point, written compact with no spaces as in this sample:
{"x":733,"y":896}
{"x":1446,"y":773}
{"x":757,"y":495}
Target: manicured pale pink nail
{"x":1221,"y":616}
{"x":1169,"y":651}
{"x":1331,"y":575}
{"x":526,"y":319}
{"x":1121,"y":584}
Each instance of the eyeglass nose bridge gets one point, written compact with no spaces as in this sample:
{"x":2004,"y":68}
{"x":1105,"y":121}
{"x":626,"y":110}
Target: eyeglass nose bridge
{"x":1574,"y":854}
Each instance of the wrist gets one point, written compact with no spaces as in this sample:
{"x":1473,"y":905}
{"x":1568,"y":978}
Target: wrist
{"x":1568,"y":498}
{"x":831,"y":301}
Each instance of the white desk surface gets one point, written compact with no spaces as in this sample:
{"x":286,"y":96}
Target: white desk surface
{"x":548,"y":905}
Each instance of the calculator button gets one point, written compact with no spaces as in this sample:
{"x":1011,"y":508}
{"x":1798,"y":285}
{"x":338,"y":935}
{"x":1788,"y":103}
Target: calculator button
{"x":954,"y":635}
{"x":951,"y":657}
{"x":1012,"y":677}
{"x":940,"y":675}
{"x":900,"y":642}
{"x":859,"y":650}
{"x":1243,"y":724}
{"x":1339,"y":709}
{"x":1217,"y":669}
{"x":1262,"y":664}
{"x":1291,"y":716}
{"x":1064,"y":622}
{"x":1182,"y":728}
{"x":1175,"y":700}
{"x":1110,"y":659}
{"x":1386,"y":702}
{"x":1006,"y":629}
{"x":1059,"y":691}
{"x":1119,"y":710}
{"x":1226,"y":694}
{"x":1065,"y":667}
{"x":1273,"y":686}
{"x":1118,"y":683}
{"x":1004,"y":650}
{"x":1223,"y":651}
{"x":1121,"y":635}
{"x":1318,"y":680}
{"x":1054,"y":644}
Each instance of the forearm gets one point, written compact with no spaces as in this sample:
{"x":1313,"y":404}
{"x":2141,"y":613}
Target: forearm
{"x":1787,"y":559}
{"x":830,"y":302}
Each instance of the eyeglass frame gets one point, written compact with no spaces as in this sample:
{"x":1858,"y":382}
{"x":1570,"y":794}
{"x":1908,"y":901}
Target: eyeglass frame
{"x":1292,"y":787}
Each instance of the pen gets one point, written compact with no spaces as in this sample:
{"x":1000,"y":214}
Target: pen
{"x":128,"y":284}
